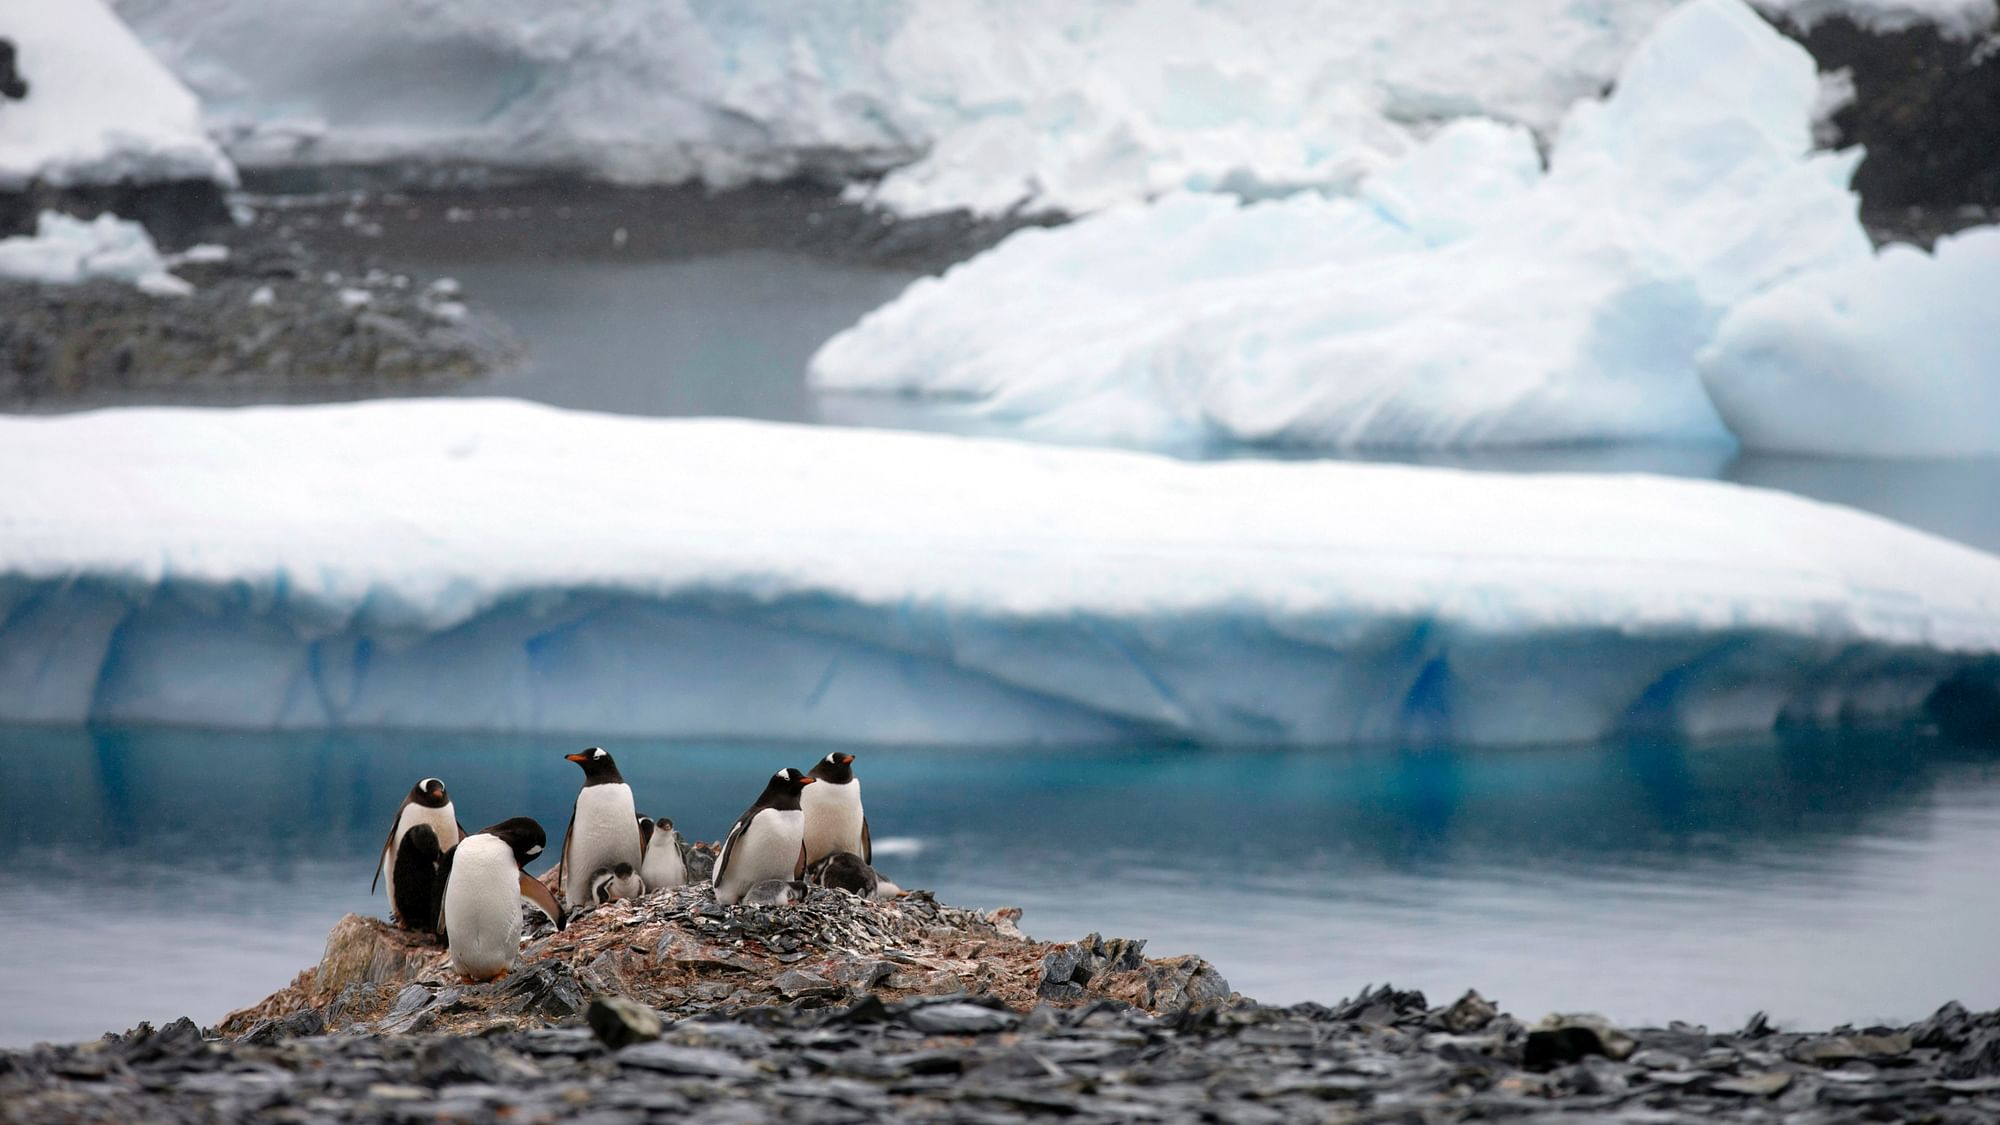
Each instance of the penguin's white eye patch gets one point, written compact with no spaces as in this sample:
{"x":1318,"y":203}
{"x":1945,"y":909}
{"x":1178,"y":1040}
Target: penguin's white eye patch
{"x":536,"y":850}
{"x":598,"y":754}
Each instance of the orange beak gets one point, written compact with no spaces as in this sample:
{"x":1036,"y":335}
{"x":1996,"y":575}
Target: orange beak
{"x":579,"y":759}
{"x":845,"y":759}
{"x":807,"y":780}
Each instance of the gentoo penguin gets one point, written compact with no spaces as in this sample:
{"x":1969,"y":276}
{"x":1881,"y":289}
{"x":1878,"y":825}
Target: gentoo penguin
{"x":603,"y":829}
{"x":768,"y":841}
{"x":425,"y":803}
{"x":484,"y":885}
{"x":834,"y":820}
{"x":660,"y":862}
{"x":774,"y":892}
{"x":609,"y":884}
{"x":845,"y":871}
{"x":414,"y":880}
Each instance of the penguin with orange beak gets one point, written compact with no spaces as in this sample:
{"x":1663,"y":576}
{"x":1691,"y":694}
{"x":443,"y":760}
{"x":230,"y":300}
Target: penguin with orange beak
{"x":768,"y":841}
{"x":834,"y":820}
{"x":603,"y":826}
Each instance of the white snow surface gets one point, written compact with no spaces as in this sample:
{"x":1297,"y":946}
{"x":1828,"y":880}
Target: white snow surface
{"x":1892,"y":356}
{"x":986,"y":104}
{"x":100,"y":109}
{"x":500,"y":565}
{"x":68,"y":251}
{"x":1462,"y":298}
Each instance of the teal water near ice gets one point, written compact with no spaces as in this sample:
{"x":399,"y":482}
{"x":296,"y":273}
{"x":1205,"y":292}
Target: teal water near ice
{"x":149,"y":873}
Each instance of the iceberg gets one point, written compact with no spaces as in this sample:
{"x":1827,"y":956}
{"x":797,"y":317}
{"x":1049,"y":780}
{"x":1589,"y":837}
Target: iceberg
{"x":992,"y":105}
{"x":67,"y":251}
{"x":99,"y":109}
{"x":1463,"y":297}
{"x":1891,"y":356}
{"x":496,"y":565}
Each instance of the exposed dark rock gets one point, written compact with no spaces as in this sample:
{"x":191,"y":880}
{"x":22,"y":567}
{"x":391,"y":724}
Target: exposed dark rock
{"x":1926,"y":105}
{"x":13,"y":85}
{"x":619,"y":1022}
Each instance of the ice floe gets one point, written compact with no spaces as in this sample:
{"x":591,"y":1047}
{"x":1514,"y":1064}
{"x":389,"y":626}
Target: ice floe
{"x":497,"y":565}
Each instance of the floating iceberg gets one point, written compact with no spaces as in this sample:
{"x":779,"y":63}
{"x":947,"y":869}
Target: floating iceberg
{"x":99,"y":108}
{"x":498,"y":565}
{"x":1462,"y":298}
{"x":66,"y":251}
{"x":1893,"y":356}
{"x":987,"y":104}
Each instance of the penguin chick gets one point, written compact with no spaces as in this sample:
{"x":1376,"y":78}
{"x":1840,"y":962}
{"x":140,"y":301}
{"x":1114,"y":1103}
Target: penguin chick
{"x":661,"y":865}
{"x":844,"y":871}
{"x":414,"y":881}
{"x":768,"y":841}
{"x":426,"y":803}
{"x":774,"y":892}
{"x":603,"y":827}
{"x":834,"y":819}
{"x":484,"y":883}
{"x":609,"y":884}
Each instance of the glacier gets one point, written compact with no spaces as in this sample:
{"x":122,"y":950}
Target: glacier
{"x":1462,"y":296}
{"x":991,"y":105}
{"x":100,"y":109}
{"x":489,"y":564}
{"x":1892,"y":356}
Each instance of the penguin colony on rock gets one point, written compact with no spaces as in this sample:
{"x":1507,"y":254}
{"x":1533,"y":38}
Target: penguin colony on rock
{"x":805,"y":829}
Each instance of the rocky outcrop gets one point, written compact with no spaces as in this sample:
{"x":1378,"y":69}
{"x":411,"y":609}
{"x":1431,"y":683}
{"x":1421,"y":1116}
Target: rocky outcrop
{"x":1927,"y":107}
{"x":681,"y":953}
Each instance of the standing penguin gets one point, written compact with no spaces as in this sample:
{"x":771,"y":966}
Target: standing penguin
{"x":834,"y":820}
{"x":660,"y":862}
{"x":414,"y":880}
{"x":768,"y":841}
{"x":484,"y":883}
{"x":603,"y":828}
{"x":426,"y":803}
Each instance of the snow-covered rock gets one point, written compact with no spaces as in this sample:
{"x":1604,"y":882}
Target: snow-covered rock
{"x":1463,"y":298}
{"x":100,"y":109}
{"x":66,"y":251}
{"x":489,"y":564}
{"x":1959,"y":18}
{"x":1895,"y":356}
{"x":988,"y":104}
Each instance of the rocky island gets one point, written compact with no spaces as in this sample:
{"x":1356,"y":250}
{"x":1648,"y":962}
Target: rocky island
{"x":841,"y":1009}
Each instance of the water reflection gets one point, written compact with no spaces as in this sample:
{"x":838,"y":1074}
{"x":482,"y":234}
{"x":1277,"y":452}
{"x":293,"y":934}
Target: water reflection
{"x":1825,"y":879}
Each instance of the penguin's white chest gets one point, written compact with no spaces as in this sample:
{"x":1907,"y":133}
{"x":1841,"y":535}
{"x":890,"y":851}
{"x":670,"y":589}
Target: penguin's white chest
{"x":663,"y":867}
{"x":605,"y":834}
{"x":443,"y":821}
{"x":833,"y":819}
{"x":767,"y":849}
{"x":482,"y":907}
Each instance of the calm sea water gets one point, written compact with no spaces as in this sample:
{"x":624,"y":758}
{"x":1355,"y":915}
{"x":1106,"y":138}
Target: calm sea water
{"x":149,"y":873}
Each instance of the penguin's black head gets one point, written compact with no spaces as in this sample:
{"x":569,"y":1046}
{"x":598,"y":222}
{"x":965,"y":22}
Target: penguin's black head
{"x":835,"y":769}
{"x":623,"y":871}
{"x":645,"y":832}
{"x":522,"y":834}
{"x":782,"y":791}
{"x":429,"y":793}
{"x":419,"y":841}
{"x":598,"y":768}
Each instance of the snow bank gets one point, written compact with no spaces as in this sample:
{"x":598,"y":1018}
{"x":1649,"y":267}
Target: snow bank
{"x":99,"y":109}
{"x":988,"y":104}
{"x":488,"y":564}
{"x":66,"y":251}
{"x":1892,"y":356}
{"x":1463,"y":298}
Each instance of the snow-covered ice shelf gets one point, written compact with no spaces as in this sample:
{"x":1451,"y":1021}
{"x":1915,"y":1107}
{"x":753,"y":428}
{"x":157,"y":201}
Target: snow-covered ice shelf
{"x":497,"y":565}
{"x":100,"y":109}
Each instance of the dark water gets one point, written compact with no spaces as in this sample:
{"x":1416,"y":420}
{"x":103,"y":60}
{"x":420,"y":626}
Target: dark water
{"x":150,"y":873}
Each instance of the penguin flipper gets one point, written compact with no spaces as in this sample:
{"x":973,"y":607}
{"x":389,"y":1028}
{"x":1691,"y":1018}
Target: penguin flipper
{"x":443,"y":880}
{"x":729,"y":845}
{"x":799,"y":868}
{"x":562,"y":861}
{"x":389,"y":844}
{"x":867,"y":845}
{"x":535,"y":891}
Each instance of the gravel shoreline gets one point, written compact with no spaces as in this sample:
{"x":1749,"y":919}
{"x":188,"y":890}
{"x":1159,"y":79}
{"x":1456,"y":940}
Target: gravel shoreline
{"x":840,"y":1009}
